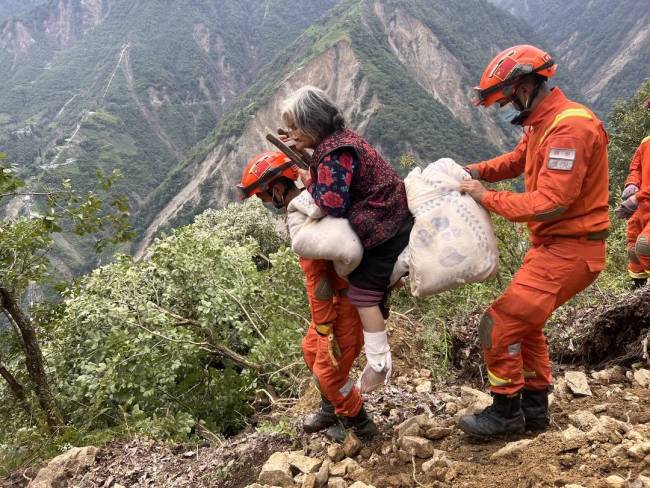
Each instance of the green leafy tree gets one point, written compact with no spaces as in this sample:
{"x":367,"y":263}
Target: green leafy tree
{"x":24,"y":261}
{"x":630,"y":123}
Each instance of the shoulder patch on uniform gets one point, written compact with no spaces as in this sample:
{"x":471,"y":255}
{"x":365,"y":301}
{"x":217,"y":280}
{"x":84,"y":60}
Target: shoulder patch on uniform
{"x":561,"y":158}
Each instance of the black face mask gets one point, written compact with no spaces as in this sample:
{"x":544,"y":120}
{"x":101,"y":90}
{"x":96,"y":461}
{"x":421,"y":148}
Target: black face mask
{"x":523,"y":109}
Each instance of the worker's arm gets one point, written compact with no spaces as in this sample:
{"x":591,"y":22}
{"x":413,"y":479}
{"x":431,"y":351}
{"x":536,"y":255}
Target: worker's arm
{"x":331,"y":190}
{"x":320,"y":290}
{"x":567,"y":152}
{"x":503,"y":167}
{"x":634,"y":176}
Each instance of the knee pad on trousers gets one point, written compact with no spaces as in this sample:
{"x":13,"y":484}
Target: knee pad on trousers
{"x":631,"y":255}
{"x":485,"y":330}
{"x":642,"y":247}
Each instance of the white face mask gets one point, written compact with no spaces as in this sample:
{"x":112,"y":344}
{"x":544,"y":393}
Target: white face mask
{"x":508,"y":113}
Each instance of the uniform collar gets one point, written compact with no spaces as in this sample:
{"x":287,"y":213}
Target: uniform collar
{"x":549,"y":106}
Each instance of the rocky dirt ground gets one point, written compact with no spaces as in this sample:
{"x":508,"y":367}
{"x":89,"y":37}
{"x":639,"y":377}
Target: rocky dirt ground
{"x":599,"y":437}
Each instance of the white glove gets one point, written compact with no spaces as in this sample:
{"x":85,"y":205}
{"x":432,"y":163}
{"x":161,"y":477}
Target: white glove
{"x":629,"y":191}
{"x":380,"y":365}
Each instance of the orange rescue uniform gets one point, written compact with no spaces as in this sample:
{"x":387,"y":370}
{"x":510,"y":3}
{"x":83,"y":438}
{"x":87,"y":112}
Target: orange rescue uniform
{"x":638,"y":227}
{"x":563,"y":155}
{"x":334,"y":338}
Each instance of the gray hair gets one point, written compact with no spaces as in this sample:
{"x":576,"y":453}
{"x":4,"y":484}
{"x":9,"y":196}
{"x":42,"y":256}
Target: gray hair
{"x":313,"y":111}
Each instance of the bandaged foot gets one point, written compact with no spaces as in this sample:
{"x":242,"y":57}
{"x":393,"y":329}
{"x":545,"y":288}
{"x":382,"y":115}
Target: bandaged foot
{"x":377,"y":371}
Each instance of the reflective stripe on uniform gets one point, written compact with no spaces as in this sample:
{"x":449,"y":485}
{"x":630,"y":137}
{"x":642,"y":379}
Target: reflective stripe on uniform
{"x":570,"y":112}
{"x":496,"y":381}
{"x":324,"y":329}
{"x":639,"y":276}
{"x":530,"y":374}
{"x":347,"y":387}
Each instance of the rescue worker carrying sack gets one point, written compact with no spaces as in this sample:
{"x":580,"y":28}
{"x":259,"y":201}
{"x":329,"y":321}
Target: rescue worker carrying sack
{"x":563,"y":156}
{"x":636,"y":207}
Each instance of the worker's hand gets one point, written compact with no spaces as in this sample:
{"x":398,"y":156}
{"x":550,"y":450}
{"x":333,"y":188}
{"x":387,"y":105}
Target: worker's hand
{"x":472,"y":172}
{"x":473,"y":188}
{"x":629,"y":191}
{"x":627,"y":208}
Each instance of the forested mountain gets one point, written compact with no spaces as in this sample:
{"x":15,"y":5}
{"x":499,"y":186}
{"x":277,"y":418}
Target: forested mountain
{"x":140,"y":87}
{"x":604,"y":45}
{"x":403,"y":70}
{"x":116,"y":84}
{"x":13,"y":7}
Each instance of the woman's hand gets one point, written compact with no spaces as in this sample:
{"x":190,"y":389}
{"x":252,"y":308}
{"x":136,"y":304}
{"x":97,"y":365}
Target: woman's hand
{"x":473,"y":188}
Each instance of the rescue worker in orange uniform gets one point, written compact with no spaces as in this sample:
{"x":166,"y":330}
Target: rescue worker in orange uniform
{"x":335,"y":336}
{"x":563,"y":157}
{"x":636,"y":207}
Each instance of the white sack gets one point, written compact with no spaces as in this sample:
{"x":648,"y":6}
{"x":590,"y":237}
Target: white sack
{"x":452,"y":241}
{"x":317,"y":236}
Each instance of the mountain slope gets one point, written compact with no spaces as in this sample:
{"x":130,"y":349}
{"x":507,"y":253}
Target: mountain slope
{"x":116,"y":84}
{"x":604,"y":45}
{"x":403,"y":71}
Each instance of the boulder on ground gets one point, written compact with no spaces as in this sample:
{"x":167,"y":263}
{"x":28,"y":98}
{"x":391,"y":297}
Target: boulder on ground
{"x":276,"y":471}
{"x":304,"y":464}
{"x":642,"y":377}
{"x":352,"y":445}
{"x":64,"y":467}
{"x":583,"y":419}
{"x":577,"y":383}
{"x":417,"y":446}
{"x":511,"y":448}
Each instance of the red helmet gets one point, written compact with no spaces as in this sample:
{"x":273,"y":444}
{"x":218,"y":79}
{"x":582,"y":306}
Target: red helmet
{"x":507,"y":69}
{"x":647,"y":102}
{"x":262,"y":170}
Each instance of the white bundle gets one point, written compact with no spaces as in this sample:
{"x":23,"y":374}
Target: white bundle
{"x":452,"y":241}
{"x":315,"y":235}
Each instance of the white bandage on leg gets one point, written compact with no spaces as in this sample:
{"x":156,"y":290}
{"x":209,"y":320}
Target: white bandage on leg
{"x":377,"y":350}
{"x":377,"y":371}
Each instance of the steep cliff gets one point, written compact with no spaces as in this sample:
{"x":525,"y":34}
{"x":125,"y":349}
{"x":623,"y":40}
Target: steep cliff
{"x":603,"y":45}
{"x":403,"y":70}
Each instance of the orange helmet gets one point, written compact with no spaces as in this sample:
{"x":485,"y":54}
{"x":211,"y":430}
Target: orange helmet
{"x":506,"y":70}
{"x":262,"y":170}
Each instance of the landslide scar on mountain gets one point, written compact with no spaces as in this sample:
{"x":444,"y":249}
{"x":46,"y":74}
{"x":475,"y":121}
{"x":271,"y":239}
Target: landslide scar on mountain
{"x":151,"y":119}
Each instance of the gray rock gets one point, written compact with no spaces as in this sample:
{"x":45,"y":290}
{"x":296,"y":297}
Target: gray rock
{"x":583,"y":419}
{"x":341,"y":469}
{"x":351,"y":445}
{"x":577,"y":383}
{"x":276,"y":471}
{"x":615,"y":481}
{"x":302,"y":463}
{"x":511,"y":448}
{"x":417,"y":446}
{"x":62,"y":467}
{"x":335,"y":452}
{"x":336,"y":483}
{"x":642,"y":377}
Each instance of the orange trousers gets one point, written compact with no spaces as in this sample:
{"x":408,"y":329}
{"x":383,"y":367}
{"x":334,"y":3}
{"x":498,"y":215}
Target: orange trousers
{"x":336,"y":384}
{"x":638,"y":243}
{"x":512,"y":330}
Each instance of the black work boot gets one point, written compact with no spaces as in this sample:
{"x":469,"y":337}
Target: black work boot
{"x":361,"y":424}
{"x":321,"y":420}
{"x":638,"y":283}
{"x":534,"y":404}
{"x":503,"y":417}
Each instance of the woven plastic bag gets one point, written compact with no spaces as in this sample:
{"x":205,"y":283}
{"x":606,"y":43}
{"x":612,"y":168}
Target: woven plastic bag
{"x":452,"y":241}
{"x":315,"y":235}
